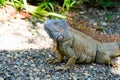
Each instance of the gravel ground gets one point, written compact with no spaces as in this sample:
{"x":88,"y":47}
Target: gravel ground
{"x":102,"y":25}
{"x":33,"y":64}
{"x":25,"y":51}
{"x":108,"y":20}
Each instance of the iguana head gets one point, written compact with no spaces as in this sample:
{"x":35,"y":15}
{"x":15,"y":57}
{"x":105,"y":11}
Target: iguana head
{"x":57,"y":29}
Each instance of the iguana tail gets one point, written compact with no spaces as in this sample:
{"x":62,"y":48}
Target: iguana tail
{"x":111,"y":49}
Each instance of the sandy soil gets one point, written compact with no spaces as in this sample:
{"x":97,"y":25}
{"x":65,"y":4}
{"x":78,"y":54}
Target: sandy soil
{"x":17,"y":34}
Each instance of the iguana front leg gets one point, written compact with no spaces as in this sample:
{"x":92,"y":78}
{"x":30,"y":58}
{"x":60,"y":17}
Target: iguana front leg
{"x":69,"y":52}
{"x":59,"y":56}
{"x":58,"y":59}
{"x":69,"y":65}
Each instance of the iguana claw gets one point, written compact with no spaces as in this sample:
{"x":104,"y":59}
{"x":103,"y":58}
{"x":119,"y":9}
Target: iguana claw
{"x":64,"y":67}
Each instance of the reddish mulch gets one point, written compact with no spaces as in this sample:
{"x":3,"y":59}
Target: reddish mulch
{"x":94,"y":31}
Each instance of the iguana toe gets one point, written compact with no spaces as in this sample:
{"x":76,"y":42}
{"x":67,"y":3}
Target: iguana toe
{"x":54,"y":61}
{"x":115,"y":62}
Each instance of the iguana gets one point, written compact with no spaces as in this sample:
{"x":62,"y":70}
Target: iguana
{"x":78,"y":47}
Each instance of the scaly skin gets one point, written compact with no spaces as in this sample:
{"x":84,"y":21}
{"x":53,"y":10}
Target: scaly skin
{"x":78,"y":47}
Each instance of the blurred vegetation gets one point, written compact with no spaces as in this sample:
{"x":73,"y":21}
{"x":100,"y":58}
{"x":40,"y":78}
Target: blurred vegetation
{"x":103,"y":3}
{"x":2,"y":3}
{"x":52,"y":8}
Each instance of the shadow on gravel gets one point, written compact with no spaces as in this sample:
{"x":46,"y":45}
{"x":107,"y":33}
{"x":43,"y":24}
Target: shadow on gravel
{"x":32,"y":64}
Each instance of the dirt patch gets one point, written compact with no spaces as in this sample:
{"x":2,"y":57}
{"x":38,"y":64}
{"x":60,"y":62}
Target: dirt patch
{"x":17,"y":34}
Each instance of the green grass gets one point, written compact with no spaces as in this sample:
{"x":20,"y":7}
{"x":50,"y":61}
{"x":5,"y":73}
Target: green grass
{"x":43,"y":9}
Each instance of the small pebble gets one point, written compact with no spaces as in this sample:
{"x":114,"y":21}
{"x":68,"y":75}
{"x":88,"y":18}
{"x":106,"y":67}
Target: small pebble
{"x":1,"y":78}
